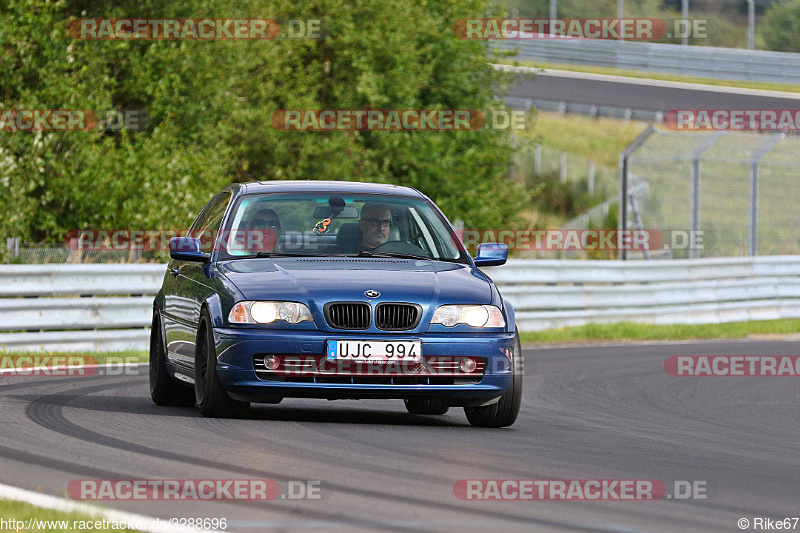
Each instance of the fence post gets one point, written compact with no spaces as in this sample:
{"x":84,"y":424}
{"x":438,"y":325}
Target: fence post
{"x":562,"y":167}
{"x":754,"y":165}
{"x":694,"y":217}
{"x":591,"y":178}
{"x":622,"y":223}
{"x":12,"y":244}
{"x":537,"y":160}
{"x":754,"y":208}
{"x":695,"y":192}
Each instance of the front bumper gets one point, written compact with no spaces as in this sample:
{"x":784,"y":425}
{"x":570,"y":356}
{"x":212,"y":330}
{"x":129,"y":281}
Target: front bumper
{"x":237,"y":348}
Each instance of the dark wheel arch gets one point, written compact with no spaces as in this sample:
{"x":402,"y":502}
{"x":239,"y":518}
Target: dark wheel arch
{"x":164,"y":389}
{"x":212,"y":399}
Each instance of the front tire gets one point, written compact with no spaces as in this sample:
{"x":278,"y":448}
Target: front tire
{"x":504,"y":412}
{"x":212,"y":400}
{"x":433,"y":406}
{"x":164,"y":389}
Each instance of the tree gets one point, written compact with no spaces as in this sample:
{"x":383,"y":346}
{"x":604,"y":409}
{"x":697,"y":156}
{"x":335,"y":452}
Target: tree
{"x":779,"y":27}
{"x":209,"y":105}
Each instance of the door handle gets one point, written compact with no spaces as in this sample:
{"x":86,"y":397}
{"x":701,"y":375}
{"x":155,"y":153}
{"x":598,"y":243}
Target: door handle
{"x":174,"y":271}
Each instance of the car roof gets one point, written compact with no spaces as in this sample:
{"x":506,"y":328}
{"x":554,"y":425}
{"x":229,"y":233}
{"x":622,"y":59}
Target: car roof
{"x":327,"y":187}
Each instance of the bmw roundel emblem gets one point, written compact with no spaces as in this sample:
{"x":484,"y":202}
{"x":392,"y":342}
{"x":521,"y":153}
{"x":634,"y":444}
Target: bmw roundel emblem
{"x":371,"y":294}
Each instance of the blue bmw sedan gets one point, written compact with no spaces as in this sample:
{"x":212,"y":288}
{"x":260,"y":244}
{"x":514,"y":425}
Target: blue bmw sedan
{"x":332,"y":290}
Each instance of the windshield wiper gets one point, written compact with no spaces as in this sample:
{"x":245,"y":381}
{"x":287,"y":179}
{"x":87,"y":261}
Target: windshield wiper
{"x":260,"y":255}
{"x":367,"y":253}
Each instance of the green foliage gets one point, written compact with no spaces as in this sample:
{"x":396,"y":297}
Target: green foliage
{"x":567,"y":199}
{"x":779,"y":26}
{"x":725,"y":21}
{"x":209,"y":105}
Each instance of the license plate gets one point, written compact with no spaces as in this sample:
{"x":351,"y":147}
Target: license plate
{"x":375,"y":351}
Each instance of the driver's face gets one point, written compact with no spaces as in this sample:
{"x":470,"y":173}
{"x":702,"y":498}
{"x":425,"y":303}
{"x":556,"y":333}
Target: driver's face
{"x":375,"y":227}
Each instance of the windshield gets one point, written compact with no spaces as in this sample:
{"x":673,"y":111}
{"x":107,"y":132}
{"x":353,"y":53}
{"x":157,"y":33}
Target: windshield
{"x":325,"y":224}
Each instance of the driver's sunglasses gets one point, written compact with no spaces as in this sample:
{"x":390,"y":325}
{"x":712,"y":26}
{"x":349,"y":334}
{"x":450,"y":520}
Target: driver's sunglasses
{"x":374,"y":222}
{"x":260,"y":223}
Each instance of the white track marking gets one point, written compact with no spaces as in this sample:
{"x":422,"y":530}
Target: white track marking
{"x":68,"y":506}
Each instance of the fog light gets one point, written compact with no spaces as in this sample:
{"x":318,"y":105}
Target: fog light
{"x":272,"y":362}
{"x":468,"y":365}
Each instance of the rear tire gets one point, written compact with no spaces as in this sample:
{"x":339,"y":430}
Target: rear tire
{"x":212,"y":400}
{"x":504,"y":412}
{"x":433,"y":406}
{"x":164,"y":389}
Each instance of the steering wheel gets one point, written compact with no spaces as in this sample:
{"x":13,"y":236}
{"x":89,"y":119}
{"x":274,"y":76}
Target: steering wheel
{"x":401,"y":247}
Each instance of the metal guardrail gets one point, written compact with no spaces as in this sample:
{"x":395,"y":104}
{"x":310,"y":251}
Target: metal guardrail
{"x":698,"y":61}
{"x":594,"y":111}
{"x":553,"y":294}
{"x":70,"y":307}
{"x":77,"y":308}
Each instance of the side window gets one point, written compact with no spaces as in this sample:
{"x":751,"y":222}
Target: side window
{"x":207,"y":224}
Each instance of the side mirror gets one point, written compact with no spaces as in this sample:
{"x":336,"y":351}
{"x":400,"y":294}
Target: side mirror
{"x":491,"y":254}
{"x":187,"y":249}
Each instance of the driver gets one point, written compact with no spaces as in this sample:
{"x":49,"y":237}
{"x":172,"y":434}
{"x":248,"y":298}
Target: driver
{"x":263,"y":230}
{"x":375,"y":223}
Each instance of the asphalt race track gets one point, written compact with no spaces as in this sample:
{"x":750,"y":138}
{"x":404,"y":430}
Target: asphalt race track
{"x":604,"y":412}
{"x":649,"y":95}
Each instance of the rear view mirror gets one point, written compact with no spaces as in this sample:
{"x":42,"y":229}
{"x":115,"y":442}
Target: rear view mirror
{"x":327,"y":212}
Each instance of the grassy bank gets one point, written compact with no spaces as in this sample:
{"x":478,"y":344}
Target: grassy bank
{"x":600,"y":139}
{"x":629,"y":331}
{"x":44,"y":520}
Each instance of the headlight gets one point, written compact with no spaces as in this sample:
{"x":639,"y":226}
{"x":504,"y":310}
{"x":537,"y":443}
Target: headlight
{"x":269,"y":312}
{"x":476,"y":316}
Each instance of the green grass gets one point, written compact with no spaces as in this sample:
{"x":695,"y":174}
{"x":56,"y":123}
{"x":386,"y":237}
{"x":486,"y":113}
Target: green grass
{"x":600,"y":139}
{"x":629,"y":331}
{"x":126,"y":356}
{"x":20,"y":511}
{"x":785,"y":87}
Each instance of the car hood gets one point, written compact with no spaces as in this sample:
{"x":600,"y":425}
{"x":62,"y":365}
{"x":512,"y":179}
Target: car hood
{"x":317,"y":281}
